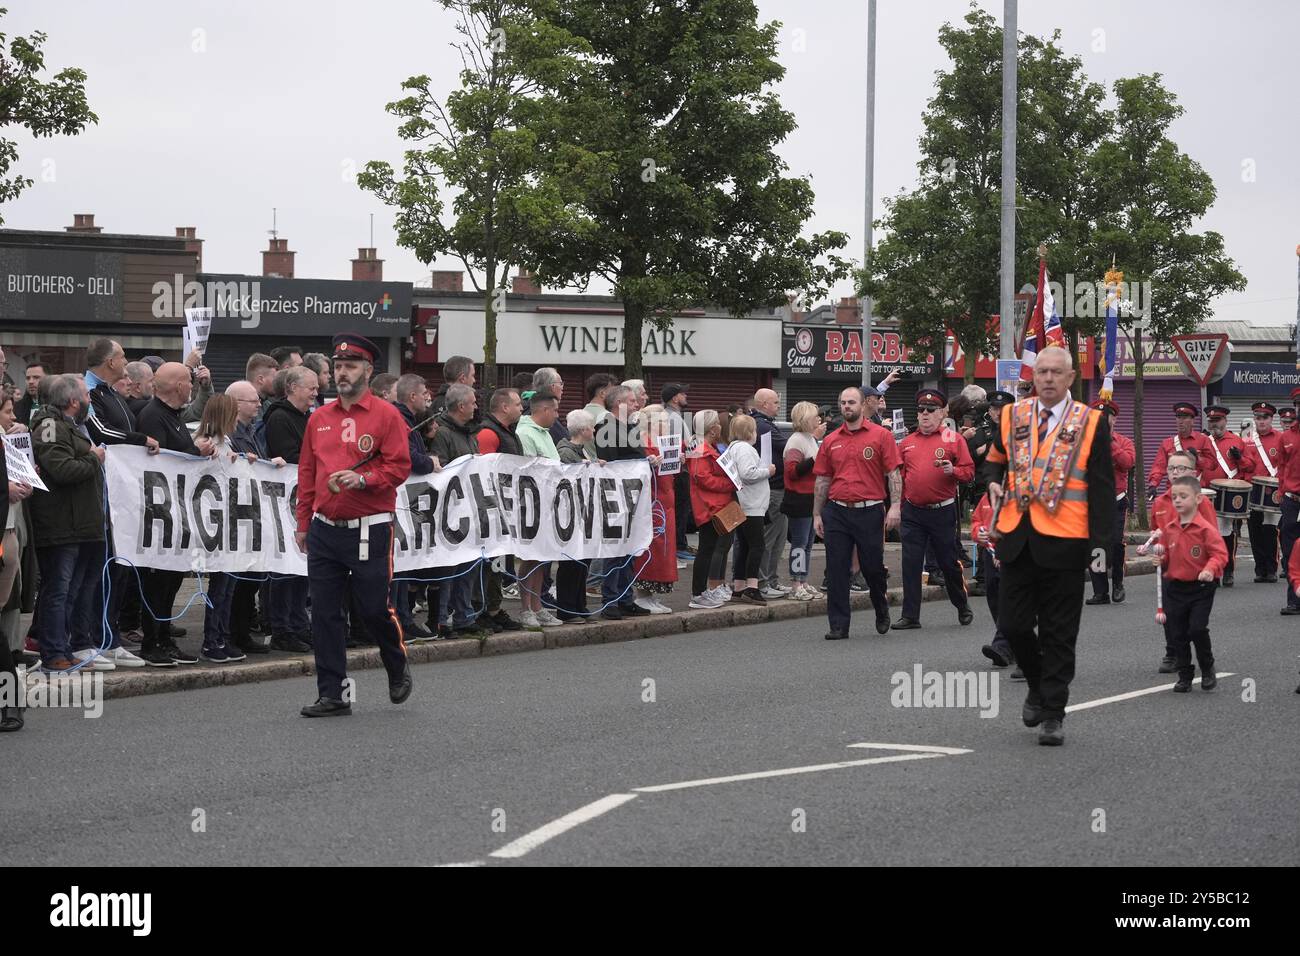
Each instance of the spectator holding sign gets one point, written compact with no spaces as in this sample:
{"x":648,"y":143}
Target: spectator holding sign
{"x":712,"y":490}
{"x":754,"y":497}
{"x":656,"y":569}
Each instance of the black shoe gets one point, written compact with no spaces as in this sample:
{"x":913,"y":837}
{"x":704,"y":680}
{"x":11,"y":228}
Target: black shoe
{"x":937,"y":581}
{"x":1271,"y":578}
{"x":178,"y":655}
{"x":858,"y":583}
{"x":157,"y":657}
{"x":570,"y":618}
{"x":233,"y":653}
{"x":612,"y":613}
{"x":906,"y":624}
{"x":416,"y":632}
{"x":11,"y":719}
{"x":1183,"y":686}
{"x":1031,"y":714}
{"x":1290,"y":610}
{"x":1227,"y":579}
{"x":505,"y":621}
{"x":1168,"y":666}
{"x":976,"y":589}
{"x":965,"y":615}
{"x":305,"y":637}
{"x":1098,"y":599}
{"x":472,"y":629}
{"x":1261,"y":579}
{"x":446,"y":632}
{"x":251,"y":647}
{"x":844,"y":636}
{"x":996,"y":656}
{"x":1117,"y":594}
{"x":1017,"y":674}
{"x":400,"y":689}
{"x":174,"y":631}
{"x":289,"y":644}
{"x":1051,"y":734}
{"x":748,"y":596}
{"x":324,"y":707}
{"x":635,"y":610}
{"x":1209,"y":679}
{"x":882,"y":622}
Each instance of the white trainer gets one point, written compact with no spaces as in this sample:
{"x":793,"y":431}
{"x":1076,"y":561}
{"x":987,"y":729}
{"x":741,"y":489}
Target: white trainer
{"x":657,"y":606}
{"x":121,"y":657}
{"x":706,"y":600}
{"x":96,"y":660}
{"x":775,"y":593}
{"x":530,"y":621}
{"x":546,"y":619}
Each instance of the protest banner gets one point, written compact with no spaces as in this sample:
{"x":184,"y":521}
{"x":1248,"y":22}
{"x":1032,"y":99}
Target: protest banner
{"x":727,"y":462}
{"x":181,"y":513}
{"x":670,"y":453}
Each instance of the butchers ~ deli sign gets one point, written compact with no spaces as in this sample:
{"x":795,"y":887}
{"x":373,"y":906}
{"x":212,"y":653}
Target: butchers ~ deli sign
{"x":829,"y":352}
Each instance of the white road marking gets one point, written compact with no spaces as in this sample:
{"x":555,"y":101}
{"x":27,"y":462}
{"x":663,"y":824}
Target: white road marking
{"x":946,"y":751}
{"x":790,"y":771}
{"x":534,"y":839}
{"x":1088,"y":704}
{"x":470,"y":863}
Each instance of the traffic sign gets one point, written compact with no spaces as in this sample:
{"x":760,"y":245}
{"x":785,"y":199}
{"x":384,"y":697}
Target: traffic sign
{"x":1204,"y":355}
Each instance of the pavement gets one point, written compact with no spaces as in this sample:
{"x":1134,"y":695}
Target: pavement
{"x":730,"y":746}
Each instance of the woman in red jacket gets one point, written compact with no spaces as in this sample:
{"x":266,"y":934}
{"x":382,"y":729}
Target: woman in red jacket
{"x":656,"y":570}
{"x":711,"y":490}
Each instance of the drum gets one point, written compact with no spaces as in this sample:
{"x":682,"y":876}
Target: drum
{"x":1231,"y":497}
{"x":1265,"y":495}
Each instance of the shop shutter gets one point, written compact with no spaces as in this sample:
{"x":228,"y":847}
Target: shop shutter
{"x":1158,"y":398}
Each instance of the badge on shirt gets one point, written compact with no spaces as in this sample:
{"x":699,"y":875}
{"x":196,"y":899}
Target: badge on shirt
{"x":1068,"y":435}
{"x":938,"y":452}
{"x":868,"y":452}
{"x":1196,"y":550}
{"x":365,"y":443}
{"x":1022,"y":433}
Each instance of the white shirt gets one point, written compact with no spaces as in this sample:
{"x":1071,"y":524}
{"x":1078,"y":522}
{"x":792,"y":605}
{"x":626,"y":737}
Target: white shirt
{"x":1057,"y":413}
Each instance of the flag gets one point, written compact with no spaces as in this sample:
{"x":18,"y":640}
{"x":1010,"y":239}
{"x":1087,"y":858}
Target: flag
{"x":1038,"y":335}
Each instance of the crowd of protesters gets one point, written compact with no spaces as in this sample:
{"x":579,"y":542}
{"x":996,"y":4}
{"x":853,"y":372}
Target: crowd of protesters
{"x":89,"y":613}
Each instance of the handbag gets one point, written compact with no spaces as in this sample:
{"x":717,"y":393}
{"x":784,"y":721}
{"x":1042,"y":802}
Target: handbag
{"x":731,"y":517}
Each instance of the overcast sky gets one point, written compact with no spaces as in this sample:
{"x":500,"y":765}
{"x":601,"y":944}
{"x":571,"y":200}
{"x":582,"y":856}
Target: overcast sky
{"x":211,"y":113}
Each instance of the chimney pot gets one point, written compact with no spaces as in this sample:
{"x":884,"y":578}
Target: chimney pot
{"x":448,"y":280}
{"x":277,"y":259}
{"x":83,"y":222}
{"x":523,"y":284}
{"x":366,"y":267}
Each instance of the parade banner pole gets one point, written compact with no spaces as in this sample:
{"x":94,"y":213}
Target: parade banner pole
{"x":867,"y":303}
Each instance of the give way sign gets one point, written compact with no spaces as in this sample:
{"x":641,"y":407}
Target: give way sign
{"x":1204,"y":355}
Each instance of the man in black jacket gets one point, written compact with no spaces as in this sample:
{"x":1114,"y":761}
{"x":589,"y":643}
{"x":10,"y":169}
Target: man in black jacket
{"x":457,"y":370}
{"x":29,"y":405}
{"x":160,"y":421}
{"x":498,"y":435}
{"x":286,"y":423}
{"x":413,"y":402}
{"x":457,"y":437}
{"x":1056,"y":516}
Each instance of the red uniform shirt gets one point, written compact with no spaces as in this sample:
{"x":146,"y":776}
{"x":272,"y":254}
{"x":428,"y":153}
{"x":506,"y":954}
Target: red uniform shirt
{"x":924,"y":482}
{"x":1123,"y":456}
{"x":858,"y":461}
{"x":336,"y":440}
{"x":1290,"y":479}
{"x":1162,"y":510}
{"x":1191,"y":549}
{"x":982,"y":517}
{"x":1194,"y":442}
{"x":1244,"y":467}
{"x":1271,"y":444}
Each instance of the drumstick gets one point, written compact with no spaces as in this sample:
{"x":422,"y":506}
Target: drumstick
{"x":1160,"y":597}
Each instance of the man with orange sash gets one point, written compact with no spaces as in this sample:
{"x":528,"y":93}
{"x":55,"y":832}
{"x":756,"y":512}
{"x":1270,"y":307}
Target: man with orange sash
{"x":1054,"y":511}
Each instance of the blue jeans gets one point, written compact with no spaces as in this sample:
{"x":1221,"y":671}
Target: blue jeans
{"x":71,"y":598}
{"x":400,"y":597}
{"x":801,"y":536}
{"x":216,"y":619}
{"x":618,"y":579}
{"x":288,"y":606}
{"x":457,"y":609}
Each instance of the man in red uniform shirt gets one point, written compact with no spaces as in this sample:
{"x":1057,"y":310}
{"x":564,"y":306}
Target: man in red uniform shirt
{"x":1185,"y":440}
{"x":1264,"y":449}
{"x":1228,"y":459}
{"x":935,"y":461}
{"x":355,"y":453}
{"x":854,"y":464}
{"x":1288,"y":528}
{"x":1123,"y":455}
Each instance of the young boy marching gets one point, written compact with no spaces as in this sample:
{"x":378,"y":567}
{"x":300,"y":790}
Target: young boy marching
{"x":981,"y":523}
{"x":1193,"y":556}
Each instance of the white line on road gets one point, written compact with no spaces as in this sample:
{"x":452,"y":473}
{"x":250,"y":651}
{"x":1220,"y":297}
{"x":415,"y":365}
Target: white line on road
{"x":534,"y":839}
{"x":946,"y":751}
{"x":788,"y":771}
{"x":1088,"y":704}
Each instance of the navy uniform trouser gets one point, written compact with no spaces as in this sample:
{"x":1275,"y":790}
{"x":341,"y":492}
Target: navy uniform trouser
{"x":1115,"y":572}
{"x":922,"y":528}
{"x":1289,"y":529}
{"x":334,"y":556}
{"x":1051,"y":601}
{"x":1263,"y":544}
{"x":1187,"y":623}
{"x":992,"y":590}
{"x":846,"y":529}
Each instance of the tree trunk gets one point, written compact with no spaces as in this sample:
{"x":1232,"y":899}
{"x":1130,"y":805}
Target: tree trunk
{"x":633,"y":319}
{"x":1140,"y":493}
{"x":490,"y":329}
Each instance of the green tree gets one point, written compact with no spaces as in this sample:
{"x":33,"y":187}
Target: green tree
{"x":43,"y":108}
{"x":1151,"y":195}
{"x":490,"y":149}
{"x":935,"y":269}
{"x":683,"y":199}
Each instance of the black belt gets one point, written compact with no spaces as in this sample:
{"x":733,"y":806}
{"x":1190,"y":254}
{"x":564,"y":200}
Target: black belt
{"x":941,"y":504}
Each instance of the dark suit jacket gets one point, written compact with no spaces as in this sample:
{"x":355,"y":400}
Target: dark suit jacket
{"x":1066,"y":554}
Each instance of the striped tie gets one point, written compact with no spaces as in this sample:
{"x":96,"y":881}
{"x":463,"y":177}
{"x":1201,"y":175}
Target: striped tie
{"x":1044,"y":416}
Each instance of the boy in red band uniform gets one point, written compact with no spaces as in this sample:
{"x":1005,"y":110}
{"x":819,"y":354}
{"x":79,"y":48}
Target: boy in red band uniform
{"x":981,"y":524}
{"x":1192,"y":555}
